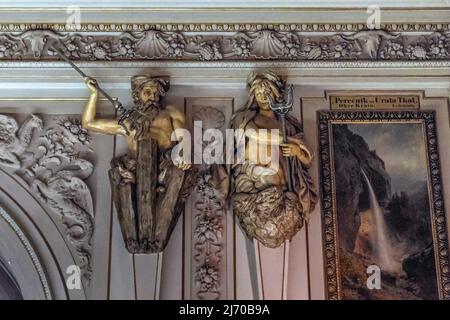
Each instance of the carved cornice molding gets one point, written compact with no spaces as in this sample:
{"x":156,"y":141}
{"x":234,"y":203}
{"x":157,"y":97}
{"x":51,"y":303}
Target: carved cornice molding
{"x":263,"y":45}
{"x":223,"y":27}
{"x":234,"y":64}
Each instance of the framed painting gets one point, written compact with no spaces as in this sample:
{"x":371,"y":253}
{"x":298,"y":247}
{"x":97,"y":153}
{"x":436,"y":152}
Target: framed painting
{"x":384,"y":226}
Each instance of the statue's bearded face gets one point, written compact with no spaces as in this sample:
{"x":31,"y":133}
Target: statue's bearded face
{"x":149,"y":93}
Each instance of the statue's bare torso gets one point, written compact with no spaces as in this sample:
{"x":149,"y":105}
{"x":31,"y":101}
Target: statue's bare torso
{"x":149,"y":190}
{"x":161,"y":129}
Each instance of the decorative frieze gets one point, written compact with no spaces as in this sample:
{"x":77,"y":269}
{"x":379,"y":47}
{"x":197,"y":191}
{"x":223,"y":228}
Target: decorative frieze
{"x":222,"y":27}
{"x":264,"y":44}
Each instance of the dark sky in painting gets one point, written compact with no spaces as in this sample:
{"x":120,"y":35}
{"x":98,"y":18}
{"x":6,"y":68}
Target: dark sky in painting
{"x":402,"y":148}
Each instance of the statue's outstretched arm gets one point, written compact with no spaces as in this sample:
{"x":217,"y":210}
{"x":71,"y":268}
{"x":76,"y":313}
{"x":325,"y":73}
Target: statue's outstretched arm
{"x":105,"y":126}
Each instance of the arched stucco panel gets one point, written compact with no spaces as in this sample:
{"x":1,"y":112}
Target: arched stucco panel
{"x":32,"y":237}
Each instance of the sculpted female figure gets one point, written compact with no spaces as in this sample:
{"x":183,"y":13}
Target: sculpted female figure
{"x":148,"y":189}
{"x":265,"y":207}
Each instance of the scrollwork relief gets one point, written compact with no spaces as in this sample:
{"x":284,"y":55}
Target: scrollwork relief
{"x":209,"y":226}
{"x":209,"y":239}
{"x":14,"y":140}
{"x":53,"y":168}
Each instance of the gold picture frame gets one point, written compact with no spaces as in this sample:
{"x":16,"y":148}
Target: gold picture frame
{"x":348,"y":249}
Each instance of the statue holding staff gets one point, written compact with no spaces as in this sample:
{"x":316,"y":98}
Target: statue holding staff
{"x":149,"y":190}
{"x":271,"y":202}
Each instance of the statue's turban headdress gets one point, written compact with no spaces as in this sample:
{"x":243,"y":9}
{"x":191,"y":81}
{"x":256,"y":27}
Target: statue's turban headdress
{"x":138,"y":82}
{"x":266,"y":75}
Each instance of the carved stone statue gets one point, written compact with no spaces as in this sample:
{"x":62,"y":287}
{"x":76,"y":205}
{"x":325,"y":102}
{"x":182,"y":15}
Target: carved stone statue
{"x":265,"y":207}
{"x":148,"y":189}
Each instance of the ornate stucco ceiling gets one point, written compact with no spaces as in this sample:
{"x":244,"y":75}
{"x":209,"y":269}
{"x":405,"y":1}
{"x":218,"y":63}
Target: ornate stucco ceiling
{"x":148,"y":32}
{"x":191,"y":39}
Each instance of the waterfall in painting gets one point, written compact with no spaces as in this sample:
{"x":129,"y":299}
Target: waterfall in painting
{"x":384,"y":256}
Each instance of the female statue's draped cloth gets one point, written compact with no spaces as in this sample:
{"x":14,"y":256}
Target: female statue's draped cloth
{"x":269,"y":212}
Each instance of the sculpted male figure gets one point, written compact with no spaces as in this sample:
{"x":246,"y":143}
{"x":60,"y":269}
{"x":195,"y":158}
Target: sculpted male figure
{"x":148,"y":189}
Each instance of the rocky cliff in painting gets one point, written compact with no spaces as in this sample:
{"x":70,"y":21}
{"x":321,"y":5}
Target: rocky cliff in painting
{"x":352,"y":154}
{"x":406,"y":259}
{"x":407,"y":217}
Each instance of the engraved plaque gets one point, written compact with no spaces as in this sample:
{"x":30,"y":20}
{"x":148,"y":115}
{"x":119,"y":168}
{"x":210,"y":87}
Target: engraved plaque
{"x":374,"y":102}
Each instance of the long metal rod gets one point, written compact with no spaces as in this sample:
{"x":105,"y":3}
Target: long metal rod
{"x":75,"y":67}
{"x":284,"y":286}
{"x":123,"y":112}
{"x":285,"y":140}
